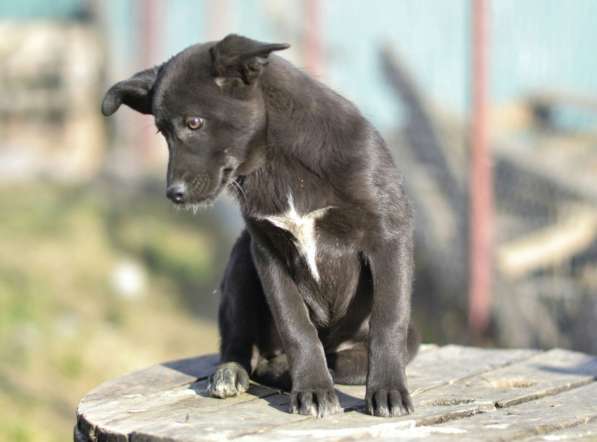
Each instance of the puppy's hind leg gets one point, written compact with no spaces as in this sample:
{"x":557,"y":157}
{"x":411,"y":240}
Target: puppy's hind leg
{"x":413,"y":342}
{"x":349,"y":366}
{"x":240,"y":316}
{"x":273,"y":372}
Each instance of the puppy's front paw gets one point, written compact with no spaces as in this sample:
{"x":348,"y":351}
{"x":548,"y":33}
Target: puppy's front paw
{"x":391,"y":401}
{"x":318,"y":403}
{"x":230,"y":379}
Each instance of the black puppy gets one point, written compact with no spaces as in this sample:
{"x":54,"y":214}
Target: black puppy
{"x":318,"y":286}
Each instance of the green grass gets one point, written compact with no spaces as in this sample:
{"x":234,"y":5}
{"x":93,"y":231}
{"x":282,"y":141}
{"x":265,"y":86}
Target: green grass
{"x":15,"y":432}
{"x":63,"y":327}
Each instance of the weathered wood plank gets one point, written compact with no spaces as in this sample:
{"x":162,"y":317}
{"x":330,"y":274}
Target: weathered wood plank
{"x":132,"y":390}
{"x":541,"y":375}
{"x":450,"y":364}
{"x":577,"y":433}
{"x":195,"y":412}
{"x":360,"y":426}
{"x":182,"y":411}
{"x":153,"y":379}
{"x":268,"y":418}
{"x":189,"y":423}
{"x":163,"y":381}
{"x":155,"y":388}
{"x":460,"y":394}
{"x":137,"y":412}
{"x":453,"y":363}
{"x":566,"y":410}
{"x":570,"y":410}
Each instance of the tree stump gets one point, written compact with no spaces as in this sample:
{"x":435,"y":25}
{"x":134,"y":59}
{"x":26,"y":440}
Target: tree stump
{"x":460,"y":394}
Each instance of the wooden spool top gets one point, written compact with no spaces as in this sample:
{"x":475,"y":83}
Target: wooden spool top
{"x":460,"y":394}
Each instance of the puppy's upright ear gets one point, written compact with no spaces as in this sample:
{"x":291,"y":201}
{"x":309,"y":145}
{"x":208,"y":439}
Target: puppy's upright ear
{"x":237,"y":57}
{"x":136,"y":92}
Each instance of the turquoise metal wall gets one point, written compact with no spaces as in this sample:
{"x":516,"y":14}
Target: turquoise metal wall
{"x":27,"y":9}
{"x":534,"y":43}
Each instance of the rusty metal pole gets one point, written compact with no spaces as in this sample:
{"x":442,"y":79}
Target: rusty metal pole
{"x":481,"y":183}
{"x":312,"y":38}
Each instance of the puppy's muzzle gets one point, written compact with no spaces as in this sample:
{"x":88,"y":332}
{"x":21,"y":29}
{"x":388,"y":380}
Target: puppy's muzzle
{"x":177,"y":193}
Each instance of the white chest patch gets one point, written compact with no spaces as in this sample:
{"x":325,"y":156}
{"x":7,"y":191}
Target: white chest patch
{"x":302,"y":227}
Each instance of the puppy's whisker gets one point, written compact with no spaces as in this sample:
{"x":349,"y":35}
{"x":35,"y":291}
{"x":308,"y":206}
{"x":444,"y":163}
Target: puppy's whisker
{"x":239,"y":189}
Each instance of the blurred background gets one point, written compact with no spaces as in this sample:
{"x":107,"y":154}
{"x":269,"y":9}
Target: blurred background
{"x":490,"y":109}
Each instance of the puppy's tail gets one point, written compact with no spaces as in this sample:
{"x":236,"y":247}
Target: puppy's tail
{"x":413,"y":342}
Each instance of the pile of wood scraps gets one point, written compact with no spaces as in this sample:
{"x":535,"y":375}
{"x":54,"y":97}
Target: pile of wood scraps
{"x":545,"y":184}
{"x":49,"y":119}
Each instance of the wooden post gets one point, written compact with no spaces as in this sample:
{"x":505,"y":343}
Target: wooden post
{"x":481,"y":186}
{"x":312,"y":38}
{"x":148,"y":15}
{"x":218,"y":21}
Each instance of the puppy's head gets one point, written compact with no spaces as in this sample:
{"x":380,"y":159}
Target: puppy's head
{"x":208,"y":105}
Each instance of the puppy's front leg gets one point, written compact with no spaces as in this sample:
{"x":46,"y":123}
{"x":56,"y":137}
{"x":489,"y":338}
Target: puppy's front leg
{"x":392,"y":268}
{"x":312,"y":386}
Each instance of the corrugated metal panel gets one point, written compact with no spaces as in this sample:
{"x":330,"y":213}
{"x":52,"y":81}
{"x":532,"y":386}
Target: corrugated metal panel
{"x":24,"y":9}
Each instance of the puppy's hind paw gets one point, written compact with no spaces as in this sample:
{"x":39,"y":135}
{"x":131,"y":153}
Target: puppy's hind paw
{"x":230,"y":379}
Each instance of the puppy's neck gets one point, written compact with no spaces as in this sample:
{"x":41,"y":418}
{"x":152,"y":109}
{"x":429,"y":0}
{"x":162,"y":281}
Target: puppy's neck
{"x":257,"y":155}
{"x":254,"y":161}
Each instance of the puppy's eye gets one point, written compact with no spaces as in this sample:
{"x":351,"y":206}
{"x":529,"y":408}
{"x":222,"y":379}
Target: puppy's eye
{"x":194,"y":123}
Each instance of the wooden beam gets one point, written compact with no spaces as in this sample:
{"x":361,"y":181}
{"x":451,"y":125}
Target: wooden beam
{"x":549,"y":246}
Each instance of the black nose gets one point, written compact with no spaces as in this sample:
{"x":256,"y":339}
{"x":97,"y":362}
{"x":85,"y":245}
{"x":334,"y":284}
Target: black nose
{"x":176,"y":192}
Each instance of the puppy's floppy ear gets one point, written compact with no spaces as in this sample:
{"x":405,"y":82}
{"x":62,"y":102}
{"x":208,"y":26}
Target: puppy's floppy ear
{"x":136,"y":92}
{"x":241,"y":58}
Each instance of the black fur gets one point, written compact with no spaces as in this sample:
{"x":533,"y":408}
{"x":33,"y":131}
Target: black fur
{"x":269,"y":131}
